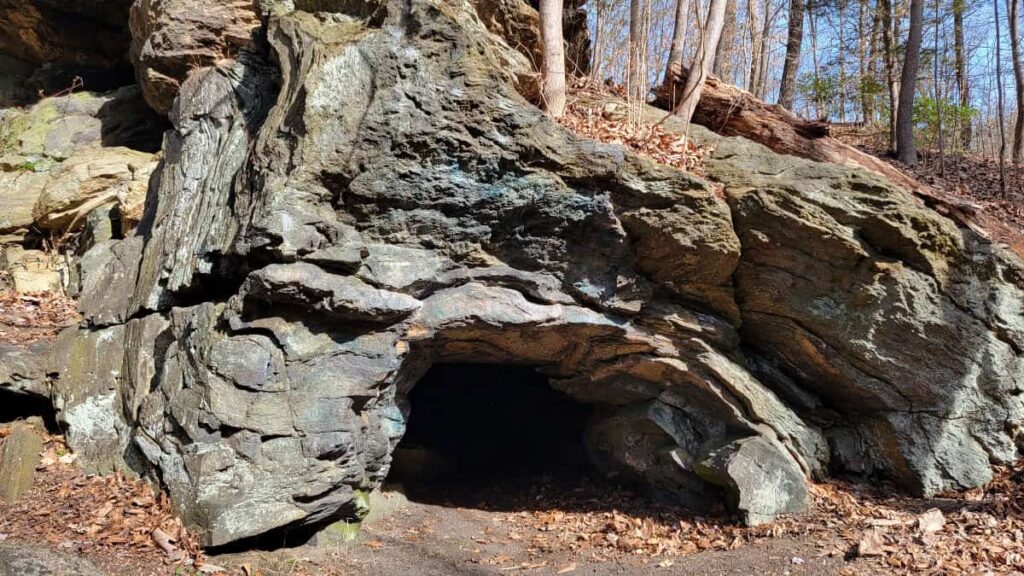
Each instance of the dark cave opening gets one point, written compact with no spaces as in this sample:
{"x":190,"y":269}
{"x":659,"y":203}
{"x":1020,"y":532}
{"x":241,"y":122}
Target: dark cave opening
{"x":16,"y":406}
{"x":473,"y":428}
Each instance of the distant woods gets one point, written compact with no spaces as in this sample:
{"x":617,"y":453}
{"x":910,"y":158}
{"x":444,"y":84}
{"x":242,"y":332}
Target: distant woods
{"x":919,"y":74}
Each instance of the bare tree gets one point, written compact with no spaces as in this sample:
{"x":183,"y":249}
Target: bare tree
{"x":999,"y":90}
{"x":960,"y":66}
{"x":938,"y":91}
{"x":675,"y":55}
{"x":726,"y":43}
{"x":553,"y":79}
{"x":1013,"y":15}
{"x":787,"y":91}
{"x":889,"y":55}
{"x":636,"y":77}
{"x":702,"y":61}
{"x":905,"y":149}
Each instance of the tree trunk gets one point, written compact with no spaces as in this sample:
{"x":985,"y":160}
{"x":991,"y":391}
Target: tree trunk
{"x":762,"y":67}
{"x":754,"y":30}
{"x":702,"y":61}
{"x":862,"y":57}
{"x":1013,"y":14}
{"x":724,"y":54}
{"x":787,"y":91}
{"x":938,"y":90}
{"x":820,"y":107}
{"x":999,"y":90}
{"x":889,"y":48}
{"x":905,"y":150}
{"x":675,"y":55}
{"x":595,"y":67}
{"x":960,"y":63}
{"x":637,"y":73}
{"x":554,"y":57}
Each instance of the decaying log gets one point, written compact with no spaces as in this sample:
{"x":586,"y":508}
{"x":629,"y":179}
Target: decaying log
{"x":732,"y":111}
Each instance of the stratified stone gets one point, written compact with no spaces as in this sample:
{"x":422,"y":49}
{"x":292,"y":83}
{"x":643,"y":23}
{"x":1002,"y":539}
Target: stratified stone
{"x":171,"y":38}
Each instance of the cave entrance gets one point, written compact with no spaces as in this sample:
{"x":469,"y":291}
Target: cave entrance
{"x":15,"y":406}
{"x":477,"y":429}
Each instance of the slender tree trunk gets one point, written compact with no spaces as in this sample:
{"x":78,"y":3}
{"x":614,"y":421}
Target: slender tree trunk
{"x":905,"y":150}
{"x":841,"y":32}
{"x":554,"y":57}
{"x":762,"y":67}
{"x":787,"y":91}
{"x":724,"y":54}
{"x":702,"y":61}
{"x":639,"y":28}
{"x":754,"y":29}
{"x":675,"y":55}
{"x":820,"y":107}
{"x":862,"y":59}
{"x":938,"y":91}
{"x":1013,"y":14}
{"x":889,"y":48}
{"x":872,"y":67}
{"x":595,"y":68}
{"x":960,"y":63}
{"x":999,"y":90}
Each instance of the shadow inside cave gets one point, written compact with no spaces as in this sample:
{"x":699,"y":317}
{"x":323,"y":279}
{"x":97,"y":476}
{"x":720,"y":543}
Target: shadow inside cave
{"x":499,"y":438}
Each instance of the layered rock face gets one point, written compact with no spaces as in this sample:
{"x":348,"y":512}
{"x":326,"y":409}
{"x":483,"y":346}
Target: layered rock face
{"x":364,"y":193}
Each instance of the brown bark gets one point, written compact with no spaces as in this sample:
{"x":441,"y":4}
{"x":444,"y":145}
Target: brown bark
{"x":960,"y":63}
{"x":553,"y":80}
{"x":1018,"y":75}
{"x":693,"y":87}
{"x":724,"y":56}
{"x":889,"y":55}
{"x":905,"y":149}
{"x":675,"y":55}
{"x":787,"y":91}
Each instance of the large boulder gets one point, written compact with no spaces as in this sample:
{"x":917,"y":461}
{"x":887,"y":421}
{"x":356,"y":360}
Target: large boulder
{"x":375,"y":196}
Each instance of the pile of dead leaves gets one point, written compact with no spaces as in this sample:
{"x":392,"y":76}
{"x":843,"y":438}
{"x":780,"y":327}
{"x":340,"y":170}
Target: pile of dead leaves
{"x":609,"y":124}
{"x":975,"y":532}
{"x":979,"y":531}
{"x":27,"y":318}
{"x":113,"y":519}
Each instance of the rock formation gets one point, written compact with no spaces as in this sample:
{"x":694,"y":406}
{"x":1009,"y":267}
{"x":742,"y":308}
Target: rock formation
{"x":363,"y":192}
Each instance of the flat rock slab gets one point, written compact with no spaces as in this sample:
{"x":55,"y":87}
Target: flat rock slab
{"x":27,"y":560}
{"x":19,"y":456}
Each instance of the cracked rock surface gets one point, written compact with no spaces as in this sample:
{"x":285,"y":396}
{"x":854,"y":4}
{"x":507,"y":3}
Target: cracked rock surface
{"x":364,"y":192}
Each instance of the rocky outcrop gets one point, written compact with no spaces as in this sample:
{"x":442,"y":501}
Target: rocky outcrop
{"x":66,"y":156}
{"x":170,"y":38}
{"x":373,"y":196}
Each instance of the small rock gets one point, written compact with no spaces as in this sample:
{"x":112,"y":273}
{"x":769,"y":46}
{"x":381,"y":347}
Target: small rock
{"x":931,"y":521}
{"x":19,"y":456}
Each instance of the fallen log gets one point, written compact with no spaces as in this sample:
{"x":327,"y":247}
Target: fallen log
{"x":732,"y":111}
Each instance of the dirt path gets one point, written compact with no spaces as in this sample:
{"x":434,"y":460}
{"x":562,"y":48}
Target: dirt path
{"x":432,"y":536}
